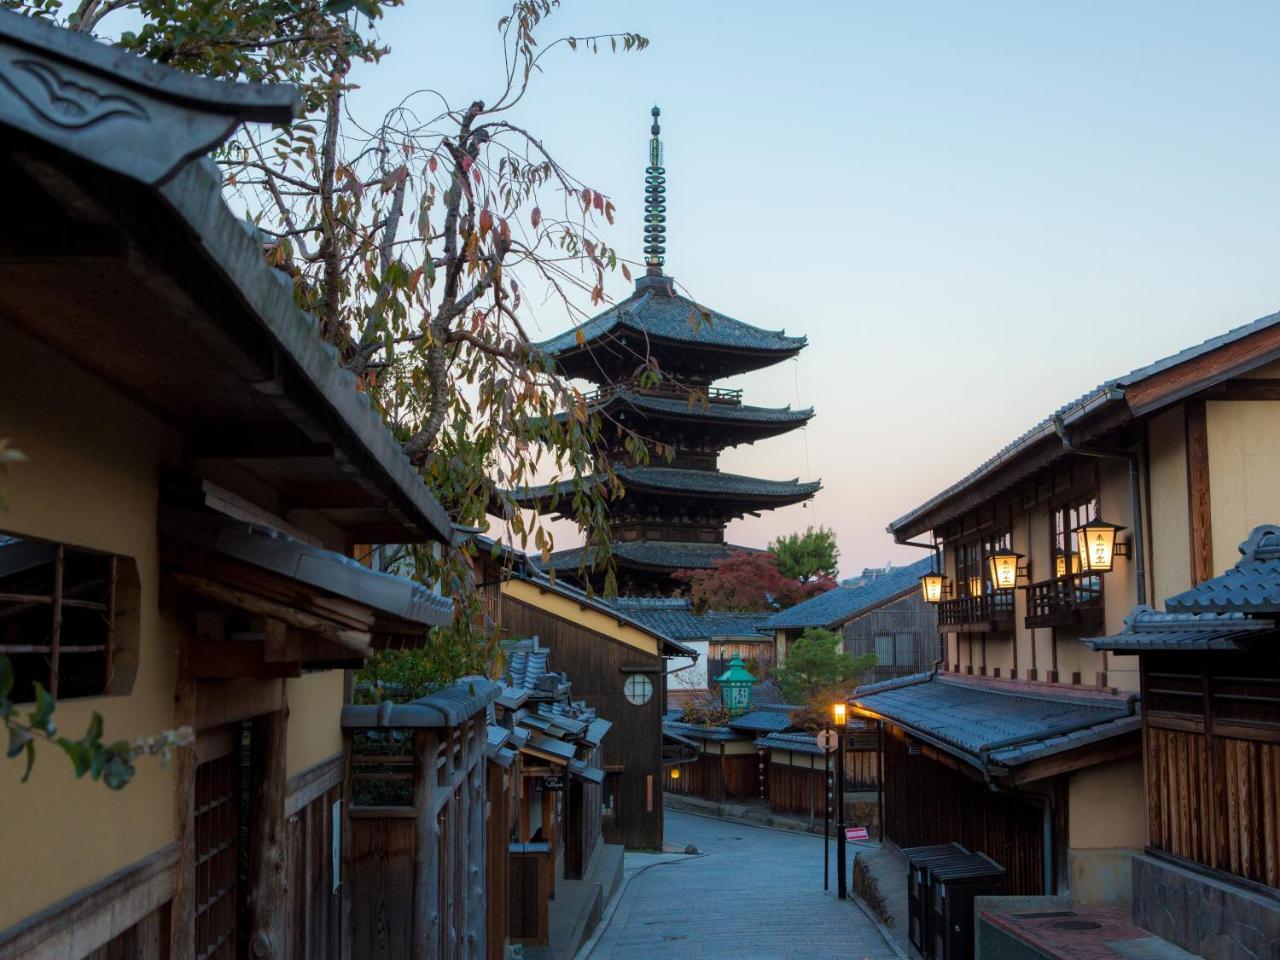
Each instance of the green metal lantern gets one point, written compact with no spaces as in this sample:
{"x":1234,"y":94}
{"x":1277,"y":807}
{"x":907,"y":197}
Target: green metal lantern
{"x":735,"y":687}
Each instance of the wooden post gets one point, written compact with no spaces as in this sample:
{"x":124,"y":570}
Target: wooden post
{"x":267,"y":862}
{"x":1199,"y":508}
{"x":475,"y":848}
{"x":426,"y":883}
{"x":182,"y":911}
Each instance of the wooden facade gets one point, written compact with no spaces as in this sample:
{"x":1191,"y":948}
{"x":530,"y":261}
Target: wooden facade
{"x":719,"y":776}
{"x":903,"y":634}
{"x":600,"y":665}
{"x":187,"y":588}
{"x":1212,"y":759}
{"x":929,"y":798}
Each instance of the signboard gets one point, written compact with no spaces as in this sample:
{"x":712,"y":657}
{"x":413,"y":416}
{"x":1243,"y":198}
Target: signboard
{"x":551,"y":784}
{"x":856,"y":833}
{"x":827,"y":740}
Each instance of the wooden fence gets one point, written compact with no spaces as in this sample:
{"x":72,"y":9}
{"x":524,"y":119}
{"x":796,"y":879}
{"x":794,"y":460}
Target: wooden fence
{"x":416,"y":843}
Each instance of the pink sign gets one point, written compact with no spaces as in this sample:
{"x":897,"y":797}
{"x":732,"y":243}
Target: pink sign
{"x":856,"y":833}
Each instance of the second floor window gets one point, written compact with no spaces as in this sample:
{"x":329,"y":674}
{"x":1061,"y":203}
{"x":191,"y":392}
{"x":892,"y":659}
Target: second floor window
{"x":1064,"y":521}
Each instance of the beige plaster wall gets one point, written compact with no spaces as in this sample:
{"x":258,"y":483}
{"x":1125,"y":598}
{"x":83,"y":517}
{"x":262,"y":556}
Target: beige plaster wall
{"x":1244,"y":460}
{"x":315,"y":708}
{"x":90,"y":481}
{"x":1170,"y":559}
{"x":1106,"y":815}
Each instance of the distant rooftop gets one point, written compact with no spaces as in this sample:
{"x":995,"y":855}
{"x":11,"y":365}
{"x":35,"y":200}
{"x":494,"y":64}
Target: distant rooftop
{"x":851,"y":598}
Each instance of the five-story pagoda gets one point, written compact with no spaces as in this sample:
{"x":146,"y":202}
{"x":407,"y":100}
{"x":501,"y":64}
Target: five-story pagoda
{"x":675,"y":511}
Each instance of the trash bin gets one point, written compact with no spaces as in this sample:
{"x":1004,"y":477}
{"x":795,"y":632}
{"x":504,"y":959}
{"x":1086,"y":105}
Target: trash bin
{"x":919,"y":860}
{"x":952,"y":886}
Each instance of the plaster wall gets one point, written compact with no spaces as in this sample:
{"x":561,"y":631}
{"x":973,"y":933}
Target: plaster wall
{"x":1170,"y":533}
{"x":1106,"y":827}
{"x":581,"y":614}
{"x":90,"y":480}
{"x":788,"y":758}
{"x":314,"y":733}
{"x":1244,"y":462}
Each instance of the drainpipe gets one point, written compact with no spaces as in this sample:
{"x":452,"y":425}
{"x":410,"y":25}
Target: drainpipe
{"x":1135,"y":499}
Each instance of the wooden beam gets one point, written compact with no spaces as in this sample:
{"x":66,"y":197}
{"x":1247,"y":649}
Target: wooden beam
{"x":230,"y":701}
{"x":236,"y":660}
{"x":267,"y":900}
{"x":1116,"y":748}
{"x":1244,"y":388}
{"x":182,"y":911}
{"x":1199,"y":508}
{"x":1242,"y":355}
{"x":358,"y":640}
{"x":319,"y":496}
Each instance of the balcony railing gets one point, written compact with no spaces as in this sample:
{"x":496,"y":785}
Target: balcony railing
{"x":989,"y":612}
{"x":670,"y":390}
{"x":1064,"y":600}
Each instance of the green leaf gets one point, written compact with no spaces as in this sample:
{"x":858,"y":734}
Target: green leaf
{"x":42,"y":716}
{"x":31,"y":760}
{"x":19,"y":737}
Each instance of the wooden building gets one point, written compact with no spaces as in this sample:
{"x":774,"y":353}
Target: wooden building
{"x":175,"y":549}
{"x":881,"y":612}
{"x":675,"y":512}
{"x":619,"y":668}
{"x":1025,"y":743}
{"x":1209,"y":666}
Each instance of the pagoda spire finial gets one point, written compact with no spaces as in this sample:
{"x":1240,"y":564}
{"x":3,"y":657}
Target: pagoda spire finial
{"x":655,"y":203}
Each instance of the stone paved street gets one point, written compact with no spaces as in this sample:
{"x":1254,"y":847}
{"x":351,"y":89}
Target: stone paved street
{"x":752,"y":894}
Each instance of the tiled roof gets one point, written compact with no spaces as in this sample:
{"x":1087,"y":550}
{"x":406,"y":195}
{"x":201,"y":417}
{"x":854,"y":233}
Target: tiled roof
{"x":1109,"y":391}
{"x":665,"y":554}
{"x":993,"y":727}
{"x":680,"y":407}
{"x":1147,"y":629}
{"x":1251,"y":586}
{"x":695,"y":731}
{"x":680,"y":480}
{"x":768,"y":719}
{"x":795,"y":742}
{"x":674,"y":616}
{"x":450,"y":706}
{"x":851,"y":598}
{"x":652,"y":311}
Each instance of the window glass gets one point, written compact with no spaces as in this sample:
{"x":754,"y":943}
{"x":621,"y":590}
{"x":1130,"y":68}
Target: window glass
{"x":638,"y":689}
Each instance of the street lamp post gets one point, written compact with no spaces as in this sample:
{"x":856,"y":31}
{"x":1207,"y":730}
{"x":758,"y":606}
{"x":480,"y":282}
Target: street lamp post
{"x":838,"y":716}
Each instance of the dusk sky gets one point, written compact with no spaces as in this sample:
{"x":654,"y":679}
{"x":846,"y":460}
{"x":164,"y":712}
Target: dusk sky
{"x":974,"y":212}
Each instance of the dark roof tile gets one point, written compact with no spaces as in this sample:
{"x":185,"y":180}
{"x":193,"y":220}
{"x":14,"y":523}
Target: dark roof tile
{"x":850,"y":598}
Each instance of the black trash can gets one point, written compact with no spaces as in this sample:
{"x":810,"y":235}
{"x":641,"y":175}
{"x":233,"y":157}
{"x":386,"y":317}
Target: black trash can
{"x":919,"y":859}
{"x":952,"y":886}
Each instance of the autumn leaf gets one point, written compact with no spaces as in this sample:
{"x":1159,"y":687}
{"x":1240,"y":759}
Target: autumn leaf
{"x":535,"y":217}
{"x":626,"y":273}
{"x":486,"y":221}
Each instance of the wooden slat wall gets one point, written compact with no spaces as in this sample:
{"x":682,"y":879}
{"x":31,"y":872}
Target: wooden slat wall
{"x":497,"y":881}
{"x":633,"y":747}
{"x":314,"y":907}
{"x":380,"y":883}
{"x":148,"y":939}
{"x":1240,"y":832}
{"x":927,"y":802}
{"x":797,"y":790}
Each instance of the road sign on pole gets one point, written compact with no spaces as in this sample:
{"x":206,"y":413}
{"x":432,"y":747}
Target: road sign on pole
{"x":857,"y":833}
{"x":827,"y":740}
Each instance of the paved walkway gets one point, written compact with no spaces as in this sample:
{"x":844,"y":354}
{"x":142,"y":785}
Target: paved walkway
{"x":751,"y":894}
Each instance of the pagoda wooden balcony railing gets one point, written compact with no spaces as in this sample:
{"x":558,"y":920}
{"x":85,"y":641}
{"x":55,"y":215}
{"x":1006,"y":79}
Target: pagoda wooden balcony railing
{"x":1064,"y":600}
{"x":987,"y":613}
{"x":668,"y":389}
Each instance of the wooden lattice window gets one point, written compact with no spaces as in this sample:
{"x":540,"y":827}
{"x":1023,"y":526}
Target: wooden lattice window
{"x":219,"y":869}
{"x":384,"y":768}
{"x":59,"y":614}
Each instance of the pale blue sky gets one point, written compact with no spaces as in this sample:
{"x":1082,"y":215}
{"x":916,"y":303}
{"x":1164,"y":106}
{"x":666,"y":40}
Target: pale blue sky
{"x":974,"y":211}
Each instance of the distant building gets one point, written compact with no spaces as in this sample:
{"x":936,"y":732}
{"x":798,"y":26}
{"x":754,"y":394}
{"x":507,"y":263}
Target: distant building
{"x":881,"y":612}
{"x":674,"y":514}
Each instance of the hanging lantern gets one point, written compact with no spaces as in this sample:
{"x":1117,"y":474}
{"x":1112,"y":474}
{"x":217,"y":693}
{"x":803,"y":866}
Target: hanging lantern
{"x":735,"y":687}
{"x":932,"y":587}
{"x":1060,"y":564}
{"x":675,"y":773}
{"x":839,"y":713}
{"x":1096,"y":541}
{"x":1004,"y":569}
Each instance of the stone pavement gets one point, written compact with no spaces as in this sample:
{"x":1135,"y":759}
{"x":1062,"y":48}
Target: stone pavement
{"x":750,"y":894}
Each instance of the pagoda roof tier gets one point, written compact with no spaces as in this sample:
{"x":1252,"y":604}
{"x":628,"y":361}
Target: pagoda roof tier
{"x":666,"y":482}
{"x":656,"y":555}
{"x":742,"y":422}
{"x":688,"y":340}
